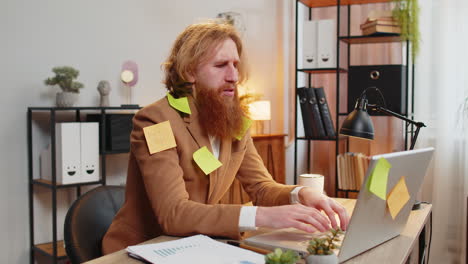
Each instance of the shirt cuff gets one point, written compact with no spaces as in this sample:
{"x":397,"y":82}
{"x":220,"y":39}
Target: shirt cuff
{"x":294,"y":196}
{"x":247,"y":218}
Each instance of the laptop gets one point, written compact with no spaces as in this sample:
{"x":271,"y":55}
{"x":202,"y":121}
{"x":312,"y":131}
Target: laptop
{"x":371,"y":223}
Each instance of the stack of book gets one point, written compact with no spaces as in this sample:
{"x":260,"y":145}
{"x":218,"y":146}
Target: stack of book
{"x":352,"y":169}
{"x":380,"y":24}
{"x":316,"y":115}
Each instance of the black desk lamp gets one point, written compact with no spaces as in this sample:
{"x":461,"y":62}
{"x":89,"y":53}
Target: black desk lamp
{"x":359,"y":124}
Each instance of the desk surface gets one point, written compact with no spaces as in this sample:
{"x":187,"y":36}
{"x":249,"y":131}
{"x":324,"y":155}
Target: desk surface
{"x":395,"y":250}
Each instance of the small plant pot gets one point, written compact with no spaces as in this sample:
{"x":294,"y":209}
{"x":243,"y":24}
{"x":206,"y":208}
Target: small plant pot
{"x":322,"y":259}
{"x":66,"y":99}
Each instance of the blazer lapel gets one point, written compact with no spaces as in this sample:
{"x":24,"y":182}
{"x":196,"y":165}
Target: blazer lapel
{"x":218,"y":177}
{"x":201,"y":138}
{"x":194,"y":128}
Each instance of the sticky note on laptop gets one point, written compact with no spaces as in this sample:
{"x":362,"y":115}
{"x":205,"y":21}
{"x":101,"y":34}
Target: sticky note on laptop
{"x":377,"y":182}
{"x":206,"y":160}
{"x":398,"y":197}
{"x":159,"y":137}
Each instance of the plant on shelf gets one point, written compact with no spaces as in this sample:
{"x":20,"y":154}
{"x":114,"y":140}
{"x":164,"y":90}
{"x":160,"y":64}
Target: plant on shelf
{"x":64,"y":78}
{"x":321,"y":248}
{"x":280,"y":257}
{"x":406,"y":12}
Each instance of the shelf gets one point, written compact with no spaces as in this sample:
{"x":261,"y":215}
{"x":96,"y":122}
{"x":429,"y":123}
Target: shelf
{"x":343,"y":190}
{"x":323,"y":70}
{"x":387,"y":38}
{"x":50,"y":108}
{"x":268,"y":136}
{"x":115,"y":152}
{"x":313,"y":138}
{"x":325,"y":3}
{"x":47,"y":249}
{"x":49,"y":184}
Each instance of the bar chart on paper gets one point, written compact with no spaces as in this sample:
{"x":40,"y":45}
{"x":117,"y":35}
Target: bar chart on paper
{"x":194,"y":249}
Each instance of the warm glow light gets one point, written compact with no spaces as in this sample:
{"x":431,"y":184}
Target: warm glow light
{"x":126,"y":76}
{"x":260,"y":110}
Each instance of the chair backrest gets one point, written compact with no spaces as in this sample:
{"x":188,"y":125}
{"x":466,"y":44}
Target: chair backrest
{"x":87,"y":221}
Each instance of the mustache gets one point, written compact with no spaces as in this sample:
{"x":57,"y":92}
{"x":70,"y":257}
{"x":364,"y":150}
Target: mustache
{"x":227,"y":86}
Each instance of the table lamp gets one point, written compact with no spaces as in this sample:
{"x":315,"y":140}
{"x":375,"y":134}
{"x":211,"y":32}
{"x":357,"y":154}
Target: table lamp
{"x":129,"y":77}
{"x":359,"y":124}
{"x":260,"y":111}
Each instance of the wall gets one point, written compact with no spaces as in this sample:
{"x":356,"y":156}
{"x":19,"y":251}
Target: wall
{"x":96,"y":37}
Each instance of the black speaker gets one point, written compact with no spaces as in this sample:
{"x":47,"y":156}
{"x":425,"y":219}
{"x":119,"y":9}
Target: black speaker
{"x":117,"y":132}
{"x":391,"y":81}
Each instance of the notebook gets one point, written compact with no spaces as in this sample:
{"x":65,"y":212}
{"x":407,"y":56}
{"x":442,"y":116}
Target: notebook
{"x":371,"y":222}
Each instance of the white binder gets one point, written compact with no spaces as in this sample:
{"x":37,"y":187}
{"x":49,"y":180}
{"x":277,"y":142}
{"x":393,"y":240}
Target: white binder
{"x":67,"y":152}
{"x":309,"y":38}
{"x":89,"y":152}
{"x":326,"y":43}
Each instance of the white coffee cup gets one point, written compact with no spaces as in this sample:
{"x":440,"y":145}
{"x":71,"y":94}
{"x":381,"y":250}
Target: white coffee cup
{"x":314,"y":181}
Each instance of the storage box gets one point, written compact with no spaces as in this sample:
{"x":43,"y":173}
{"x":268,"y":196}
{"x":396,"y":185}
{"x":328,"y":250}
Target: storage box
{"x":117,"y":131}
{"x":391,"y":81}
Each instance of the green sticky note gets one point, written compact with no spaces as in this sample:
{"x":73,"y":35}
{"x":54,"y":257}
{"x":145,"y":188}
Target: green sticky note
{"x":206,"y":160}
{"x":246,"y":123}
{"x":377,"y":182}
{"x":180,"y":104}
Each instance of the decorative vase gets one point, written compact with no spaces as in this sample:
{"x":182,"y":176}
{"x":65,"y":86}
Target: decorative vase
{"x":66,"y":99}
{"x":322,"y":259}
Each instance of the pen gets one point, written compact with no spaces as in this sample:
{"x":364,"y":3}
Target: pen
{"x":244,"y":246}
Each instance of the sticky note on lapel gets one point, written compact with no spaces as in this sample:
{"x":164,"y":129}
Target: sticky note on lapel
{"x":159,"y":137}
{"x":206,"y":160}
{"x":246,"y":123}
{"x":181,"y":104}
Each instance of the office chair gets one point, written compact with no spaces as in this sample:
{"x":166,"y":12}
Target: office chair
{"x":87,"y":221}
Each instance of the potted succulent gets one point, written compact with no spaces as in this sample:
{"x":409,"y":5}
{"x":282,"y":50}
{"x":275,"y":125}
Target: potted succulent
{"x":280,"y":257}
{"x":406,"y":12}
{"x":64,"y":78}
{"x":321,"y":248}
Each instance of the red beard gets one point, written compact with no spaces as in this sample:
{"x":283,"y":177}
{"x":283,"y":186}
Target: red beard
{"x":221,"y":116}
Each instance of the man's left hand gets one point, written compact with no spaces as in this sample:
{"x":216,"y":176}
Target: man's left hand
{"x":319,"y":201}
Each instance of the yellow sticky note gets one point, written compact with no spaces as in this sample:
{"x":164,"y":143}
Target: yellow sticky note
{"x":206,"y":160}
{"x":159,"y":137}
{"x":398,"y":197}
{"x":377,"y":182}
{"x":180,"y":104}
{"x":246,"y":123}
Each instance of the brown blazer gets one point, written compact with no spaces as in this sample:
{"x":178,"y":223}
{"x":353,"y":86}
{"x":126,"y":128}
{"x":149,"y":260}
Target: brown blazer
{"x":167,"y":193}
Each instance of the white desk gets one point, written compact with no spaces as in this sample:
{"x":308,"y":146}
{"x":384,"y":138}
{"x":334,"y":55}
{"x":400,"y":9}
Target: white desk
{"x":396,"y":250}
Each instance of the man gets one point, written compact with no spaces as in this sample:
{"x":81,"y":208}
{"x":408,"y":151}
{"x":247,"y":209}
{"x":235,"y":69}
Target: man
{"x":170,"y":189}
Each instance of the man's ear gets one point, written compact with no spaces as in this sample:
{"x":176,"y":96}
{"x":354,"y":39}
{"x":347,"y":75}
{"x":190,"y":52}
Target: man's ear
{"x":190,"y":77}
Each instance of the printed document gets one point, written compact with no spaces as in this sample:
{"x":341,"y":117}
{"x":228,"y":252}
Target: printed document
{"x":194,"y":249}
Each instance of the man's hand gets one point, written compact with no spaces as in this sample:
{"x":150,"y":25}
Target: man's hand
{"x":311,"y":198}
{"x":295,"y":215}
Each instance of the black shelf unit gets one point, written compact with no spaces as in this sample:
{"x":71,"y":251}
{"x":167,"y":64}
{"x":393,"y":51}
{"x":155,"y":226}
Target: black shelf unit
{"x":55,"y":249}
{"x":349,"y":40}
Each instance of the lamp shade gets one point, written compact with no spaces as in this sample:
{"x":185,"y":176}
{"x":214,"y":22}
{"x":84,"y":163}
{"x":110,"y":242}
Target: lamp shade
{"x":260,"y":110}
{"x":358,"y":124}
